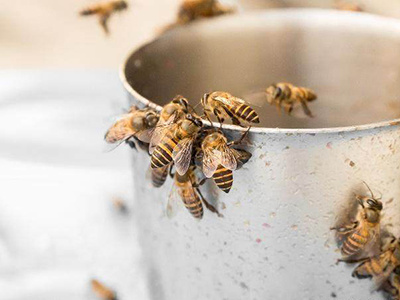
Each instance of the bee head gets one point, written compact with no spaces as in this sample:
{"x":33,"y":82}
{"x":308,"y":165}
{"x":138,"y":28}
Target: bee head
{"x":191,"y":124}
{"x":151,"y":118}
{"x":374,"y":204}
{"x":195,"y":120}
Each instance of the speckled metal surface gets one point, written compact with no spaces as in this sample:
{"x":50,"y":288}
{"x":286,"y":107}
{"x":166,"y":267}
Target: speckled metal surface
{"x":274,"y":241}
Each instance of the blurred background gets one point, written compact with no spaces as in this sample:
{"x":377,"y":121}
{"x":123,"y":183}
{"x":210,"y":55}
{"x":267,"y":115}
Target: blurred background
{"x":59,"y":91}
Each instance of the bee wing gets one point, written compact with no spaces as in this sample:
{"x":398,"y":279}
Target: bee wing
{"x":174,"y":202}
{"x":382,"y":278}
{"x":210,"y":162}
{"x":119,"y":131}
{"x":182,"y":155}
{"x":228,"y":159}
{"x":145,"y":135}
{"x":160,"y":130}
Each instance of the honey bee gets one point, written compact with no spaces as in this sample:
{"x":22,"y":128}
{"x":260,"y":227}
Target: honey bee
{"x":288,"y":95}
{"x":361,"y":236}
{"x":219,"y":159}
{"x":177,"y":143}
{"x":102,"y":291}
{"x":104,"y":10}
{"x":187,"y":188}
{"x":137,"y":123}
{"x":171,"y":113}
{"x":191,"y":10}
{"x":381,"y":266}
{"x":223,"y":104}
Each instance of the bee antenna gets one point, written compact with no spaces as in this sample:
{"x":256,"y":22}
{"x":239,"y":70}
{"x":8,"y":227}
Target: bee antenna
{"x":372,"y":194}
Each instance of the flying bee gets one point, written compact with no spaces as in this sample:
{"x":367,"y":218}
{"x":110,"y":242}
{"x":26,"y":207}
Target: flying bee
{"x":171,"y":113}
{"x":191,"y":10}
{"x":137,"y":123}
{"x":362,"y":236}
{"x":104,"y":11}
{"x":177,"y":143}
{"x":187,"y":188}
{"x":219,"y":159}
{"x":288,"y":95}
{"x":102,"y":291}
{"x":223,"y":104}
{"x":381,"y":266}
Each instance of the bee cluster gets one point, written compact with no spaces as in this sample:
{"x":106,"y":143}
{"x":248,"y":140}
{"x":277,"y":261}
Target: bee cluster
{"x":180,"y":145}
{"x":378,"y":255}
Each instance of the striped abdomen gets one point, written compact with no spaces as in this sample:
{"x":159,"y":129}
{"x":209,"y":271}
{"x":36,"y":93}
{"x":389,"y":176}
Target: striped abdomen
{"x":370,"y":268}
{"x":355,"y":242}
{"x":246,"y":113}
{"x":191,"y":199}
{"x":162,"y":154}
{"x":158,"y":176}
{"x":223,"y":177}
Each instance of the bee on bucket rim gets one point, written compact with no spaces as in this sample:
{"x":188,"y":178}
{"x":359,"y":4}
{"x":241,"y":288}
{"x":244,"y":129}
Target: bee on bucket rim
{"x":170,"y":113}
{"x":102,"y":291}
{"x":363,"y":234}
{"x":219,"y":159}
{"x":380,"y":267}
{"x":223,"y":104}
{"x":287,"y":95}
{"x":177,"y":143}
{"x":137,"y":123}
{"x":187,"y":188}
{"x":104,"y":11}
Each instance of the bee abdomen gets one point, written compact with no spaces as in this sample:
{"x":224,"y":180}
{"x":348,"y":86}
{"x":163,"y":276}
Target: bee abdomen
{"x":353,"y":244}
{"x":223,"y":178}
{"x":158,"y":176}
{"x":193,"y":205}
{"x":162,"y":155}
{"x":245,"y":112}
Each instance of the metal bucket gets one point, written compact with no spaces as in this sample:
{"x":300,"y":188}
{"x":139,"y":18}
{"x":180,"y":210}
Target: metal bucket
{"x":274,"y":241}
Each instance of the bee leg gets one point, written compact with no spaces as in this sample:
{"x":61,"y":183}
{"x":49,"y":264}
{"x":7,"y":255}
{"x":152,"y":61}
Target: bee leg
{"x":345,"y":229}
{"x":208,"y":117}
{"x":170,"y":171}
{"x":288,"y":108}
{"x":240,"y":140}
{"x":352,"y":261}
{"x":208,"y":205}
{"x":220,"y":120}
{"x":103,"y":22}
{"x":306,"y":110}
{"x":278,"y":105}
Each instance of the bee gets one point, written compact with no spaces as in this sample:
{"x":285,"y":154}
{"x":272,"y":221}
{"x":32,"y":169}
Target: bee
{"x":171,"y":113}
{"x":177,"y":144}
{"x":361,"y":236}
{"x":191,"y":10}
{"x":381,"y":266}
{"x":137,"y":123}
{"x":187,"y":188}
{"x":220,"y":160}
{"x":104,"y":10}
{"x":102,"y":291}
{"x":223,"y":104}
{"x":288,"y":95}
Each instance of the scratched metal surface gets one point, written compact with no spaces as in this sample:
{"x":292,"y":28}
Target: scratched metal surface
{"x":274,"y":242}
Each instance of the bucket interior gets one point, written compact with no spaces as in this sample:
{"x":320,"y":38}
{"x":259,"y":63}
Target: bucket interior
{"x":352,"y":62}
